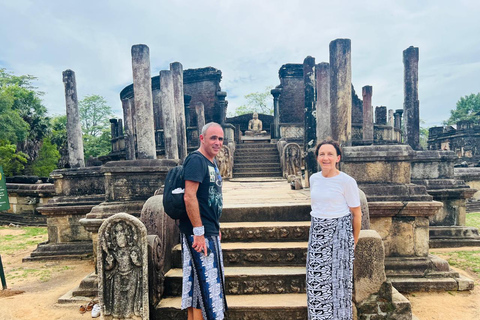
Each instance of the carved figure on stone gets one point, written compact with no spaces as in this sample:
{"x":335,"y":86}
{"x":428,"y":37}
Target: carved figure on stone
{"x":292,"y":160}
{"x":255,"y":126}
{"x":225,"y":162}
{"x":122,"y":266}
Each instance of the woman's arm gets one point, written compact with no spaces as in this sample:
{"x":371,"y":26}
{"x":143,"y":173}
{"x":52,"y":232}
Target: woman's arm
{"x":357,"y":222}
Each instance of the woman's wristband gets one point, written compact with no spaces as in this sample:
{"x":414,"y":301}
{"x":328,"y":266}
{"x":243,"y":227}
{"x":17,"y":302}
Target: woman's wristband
{"x":199,"y":231}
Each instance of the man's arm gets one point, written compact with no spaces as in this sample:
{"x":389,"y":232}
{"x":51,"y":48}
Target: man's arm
{"x":193,"y":211}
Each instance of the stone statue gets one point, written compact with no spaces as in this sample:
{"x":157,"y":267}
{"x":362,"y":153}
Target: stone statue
{"x":225,"y":162}
{"x":122,"y":267}
{"x":255,"y":126}
{"x":292,"y":160}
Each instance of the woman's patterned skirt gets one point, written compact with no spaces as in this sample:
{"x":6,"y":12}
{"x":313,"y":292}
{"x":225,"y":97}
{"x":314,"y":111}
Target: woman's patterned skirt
{"x":330,"y":269}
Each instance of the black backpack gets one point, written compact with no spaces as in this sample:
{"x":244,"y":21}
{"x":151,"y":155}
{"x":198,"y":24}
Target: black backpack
{"x":173,"y":192}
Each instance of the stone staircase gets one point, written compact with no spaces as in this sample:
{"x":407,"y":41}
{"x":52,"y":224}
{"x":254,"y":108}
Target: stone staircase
{"x":256,"y":160}
{"x":264,"y":264}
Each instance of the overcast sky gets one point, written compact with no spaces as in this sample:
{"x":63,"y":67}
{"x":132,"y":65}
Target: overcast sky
{"x":248,"y":41}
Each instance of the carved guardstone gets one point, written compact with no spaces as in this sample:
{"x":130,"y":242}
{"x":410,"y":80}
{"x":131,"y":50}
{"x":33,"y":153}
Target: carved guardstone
{"x":122,"y":264}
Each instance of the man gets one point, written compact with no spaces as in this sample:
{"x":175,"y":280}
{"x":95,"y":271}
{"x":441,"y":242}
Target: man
{"x":203,"y":293}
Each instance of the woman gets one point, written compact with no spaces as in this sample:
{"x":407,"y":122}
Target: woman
{"x":335,"y":199}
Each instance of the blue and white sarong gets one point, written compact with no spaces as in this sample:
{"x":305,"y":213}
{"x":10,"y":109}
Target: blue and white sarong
{"x":203,"y":284}
{"x":330,"y":269}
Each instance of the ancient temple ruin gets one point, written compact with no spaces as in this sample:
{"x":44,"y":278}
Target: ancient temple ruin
{"x":411,"y":196}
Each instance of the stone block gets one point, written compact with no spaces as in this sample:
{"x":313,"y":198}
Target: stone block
{"x":464,"y":283}
{"x":369,"y":265}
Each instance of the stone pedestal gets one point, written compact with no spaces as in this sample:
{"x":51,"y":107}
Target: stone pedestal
{"x":400,"y":212}
{"x":128,"y":184}
{"x":434,"y":169}
{"x":78,"y":191}
{"x":26,"y":198}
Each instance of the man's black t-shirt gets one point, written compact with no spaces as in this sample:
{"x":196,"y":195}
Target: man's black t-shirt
{"x":209,"y":194}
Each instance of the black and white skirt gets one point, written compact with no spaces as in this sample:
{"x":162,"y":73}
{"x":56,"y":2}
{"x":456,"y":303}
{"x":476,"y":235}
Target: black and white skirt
{"x":330,"y":269}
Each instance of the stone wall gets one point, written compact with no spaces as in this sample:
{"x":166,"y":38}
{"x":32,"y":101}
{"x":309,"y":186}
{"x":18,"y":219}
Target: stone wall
{"x":292,"y":99}
{"x":464,"y":140}
{"x":25,"y":198}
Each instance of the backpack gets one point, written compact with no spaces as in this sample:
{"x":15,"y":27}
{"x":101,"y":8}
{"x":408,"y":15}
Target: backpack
{"x":173,"y":191}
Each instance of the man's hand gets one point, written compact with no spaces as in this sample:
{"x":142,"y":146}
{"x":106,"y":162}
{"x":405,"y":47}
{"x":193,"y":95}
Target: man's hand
{"x":199,"y":244}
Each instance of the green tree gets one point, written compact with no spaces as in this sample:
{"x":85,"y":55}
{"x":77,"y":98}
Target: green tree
{"x":467,"y":108}
{"x":423,"y":135}
{"x":13,"y":162}
{"x":47,"y":160}
{"x":95,"y":115}
{"x":260,"y":102}
{"x":19,"y":99}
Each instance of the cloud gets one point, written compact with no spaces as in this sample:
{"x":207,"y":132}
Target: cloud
{"x":248,"y":40}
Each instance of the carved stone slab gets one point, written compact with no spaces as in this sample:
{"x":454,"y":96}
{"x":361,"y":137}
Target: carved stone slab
{"x":122,"y":264}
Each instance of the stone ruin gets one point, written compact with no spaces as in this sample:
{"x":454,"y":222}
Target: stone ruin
{"x":313,"y":101}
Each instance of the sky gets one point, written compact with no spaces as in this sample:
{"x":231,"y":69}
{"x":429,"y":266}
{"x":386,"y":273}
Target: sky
{"x":248,"y":40}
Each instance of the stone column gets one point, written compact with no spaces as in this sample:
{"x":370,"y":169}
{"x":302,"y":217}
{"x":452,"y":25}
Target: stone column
{"x":187,"y":99}
{"x":390,"y":117}
{"x":222,"y":106}
{"x":341,"y":90}
{"x":200,"y":111}
{"x":128,"y":130}
{"x":177,"y":74}
{"x":381,"y":115}
{"x":74,"y":128}
{"x":276,"y":112}
{"x":142,"y":86}
{"x":324,"y":124}
{"x":310,"y":124}
{"x":167,"y":107}
{"x":367,"y":92}
{"x":398,"y":119}
{"x":411,"y":104}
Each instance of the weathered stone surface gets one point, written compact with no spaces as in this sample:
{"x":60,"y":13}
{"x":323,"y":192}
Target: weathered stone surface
{"x":199,"y":111}
{"x":292,"y":100}
{"x":122,"y":264}
{"x":341,"y":90}
{"x":365,"y":210}
{"x":276,"y":112}
{"x":225,"y":162}
{"x":381,"y":115}
{"x":129,"y":129}
{"x":143,"y":119}
{"x":74,"y":128}
{"x":323,"y":108}
{"x":292,"y":157}
{"x":367,"y":92}
{"x":167,"y":107}
{"x":411,"y":105}
{"x":369,"y":265}
{"x":177,"y":76}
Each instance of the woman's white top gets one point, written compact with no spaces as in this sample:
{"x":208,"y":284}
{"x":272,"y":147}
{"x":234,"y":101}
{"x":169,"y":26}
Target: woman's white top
{"x":332,"y":197}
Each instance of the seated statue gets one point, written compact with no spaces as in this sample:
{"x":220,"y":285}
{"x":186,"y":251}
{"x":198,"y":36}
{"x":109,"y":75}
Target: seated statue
{"x":255,"y":126}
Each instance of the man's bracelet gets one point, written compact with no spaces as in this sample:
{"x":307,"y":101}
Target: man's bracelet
{"x":199,"y":231}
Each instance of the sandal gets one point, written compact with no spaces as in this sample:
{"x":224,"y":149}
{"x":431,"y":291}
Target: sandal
{"x":82,"y":309}
{"x":90,"y":305}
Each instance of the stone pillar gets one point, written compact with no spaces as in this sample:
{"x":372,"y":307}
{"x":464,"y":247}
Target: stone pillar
{"x":200,"y":111}
{"x":276,"y":112}
{"x":167,"y":107}
{"x":187,"y":99}
{"x":381,"y":115}
{"x":341,"y":90}
{"x":74,"y":128}
{"x":177,"y":74}
{"x":390,"y":117}
{"x":367,"y":92}
{"x":142,"y":86}
{"x":129,"y":129}
{"x":322,"y":75}
{"x":222,"y":106}
{"x":113,"y":128}
{"x":411,"y":103}
{"x":398,"y":118}
{"x":310,"y":133}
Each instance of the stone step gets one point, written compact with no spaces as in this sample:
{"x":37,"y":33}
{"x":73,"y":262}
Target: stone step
{"x":265,"y":231}
{"x":240,"y":307}
{"x":250,"y":146}
{"x":272,"y":213}
{"x":250,"y":280}
{"x":61,"y":251}
{"x":454,"y":243}
{"x":249,"y":254}
{"x":266,"y":171}
{"x":257,"y":156}
{"x":249,"y":165}
{"x":408,"y":284}
{"x":256,"y":174}
{"x":252,"y":167}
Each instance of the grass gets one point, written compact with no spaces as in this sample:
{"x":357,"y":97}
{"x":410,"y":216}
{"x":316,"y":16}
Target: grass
{"x":29,"y":236}
{"x":473,"y":220}
{"x":465,"y":260}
